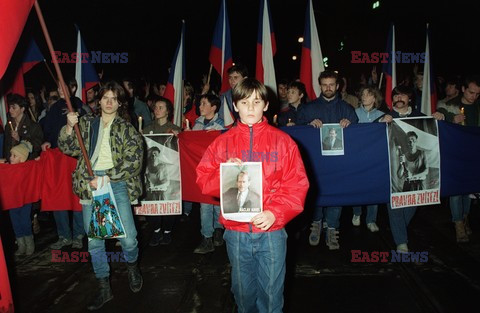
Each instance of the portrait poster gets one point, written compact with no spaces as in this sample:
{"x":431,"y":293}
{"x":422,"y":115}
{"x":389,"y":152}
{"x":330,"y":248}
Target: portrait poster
{"x":331,"y":136}
{"x":161,"y":177}
{"x":414,"y":157}
{"x":241,"y":190}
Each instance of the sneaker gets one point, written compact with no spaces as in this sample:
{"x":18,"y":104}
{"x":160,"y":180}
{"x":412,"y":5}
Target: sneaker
{"x":62,"y":242}
{"x":356,"y":220}
{"x":77,"y":243}
{"x":332,"y":239}
{"x":218,"y":237}
{"x":315,"y":232}
{"x":205,"y":246}
{"x":166,"y":239}
{"x":402,"y":248}
{"x":157,"y":236}
{"x":373,"y":227}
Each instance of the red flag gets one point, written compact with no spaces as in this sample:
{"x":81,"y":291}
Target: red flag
{"x":13,"y":15}
{"x":192,"y":146}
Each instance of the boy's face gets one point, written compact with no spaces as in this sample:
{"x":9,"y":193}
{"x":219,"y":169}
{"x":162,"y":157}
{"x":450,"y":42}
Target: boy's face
{"x":15,"y":158}
{"x":251,"y":109}
{"x":294,"y":95}
{"x":206,"y":108}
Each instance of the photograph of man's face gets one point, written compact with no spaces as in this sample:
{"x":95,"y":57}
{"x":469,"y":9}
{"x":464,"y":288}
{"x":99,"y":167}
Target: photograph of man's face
{"x":243,"y":182}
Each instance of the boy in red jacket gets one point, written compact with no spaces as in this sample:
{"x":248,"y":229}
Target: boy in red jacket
{"x":257,"y":249}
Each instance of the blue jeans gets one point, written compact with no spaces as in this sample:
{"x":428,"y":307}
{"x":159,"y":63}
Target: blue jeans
{"x":371,"y":212}
{"x":399,"y":220}
{"x":209,"y":215}
{"x":129,"y":244}
{"x":460,"y":207}
{"x":258,"y":269}
{"x":21,"y":221}
{"x":62,"y":220}
{"x":332,"y":214}
{"x":187,"y":207}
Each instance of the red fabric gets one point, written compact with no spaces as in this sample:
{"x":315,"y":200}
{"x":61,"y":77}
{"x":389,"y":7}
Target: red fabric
{"x":48,"y":179}
{"x":192,"y":145}
{"x":20,"y":184}
{"x":56,"y":192}
{"x":191,"y":116}
{"x":285,"y":182}
{"x":13,"y":15}
{"x":6,"y":302}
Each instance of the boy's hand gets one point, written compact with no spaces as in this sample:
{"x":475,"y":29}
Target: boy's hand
{"x":263,"y":220}
{"x":344,"y":123}
{"x":235,"y":160}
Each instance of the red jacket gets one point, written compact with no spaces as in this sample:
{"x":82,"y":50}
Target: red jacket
{"x":285,"y":182}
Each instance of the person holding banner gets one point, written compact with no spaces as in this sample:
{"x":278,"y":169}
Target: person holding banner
{"x":400,"y":218}
{"x":464,"y":110}
{"x":163,"y":114}
{"x":115,"y":149}
{"x":257,"y":249}
{"x":328,"y":108}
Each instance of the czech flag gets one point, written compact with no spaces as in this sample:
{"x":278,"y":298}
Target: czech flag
{"x":429,"y":92}
{"x":389,"y":68}
{"x":174,"y":90}
{"x":266,"y":48}
{"x":15,"y":83}
{"x":221,"y":49}
{"x":85,"y":73}
{"x":312,"y":59}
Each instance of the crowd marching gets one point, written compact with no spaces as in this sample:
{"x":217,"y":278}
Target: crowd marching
{"x":110,"y":128}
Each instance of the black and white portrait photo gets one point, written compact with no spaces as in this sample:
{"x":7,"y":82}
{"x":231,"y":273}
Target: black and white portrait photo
{"x":332,"y":139}
{"x":241,"y":190}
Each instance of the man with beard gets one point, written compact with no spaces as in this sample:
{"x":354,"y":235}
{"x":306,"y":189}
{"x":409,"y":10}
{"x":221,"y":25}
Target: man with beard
{"x":413,"y":166}
{"x":328,"y":108}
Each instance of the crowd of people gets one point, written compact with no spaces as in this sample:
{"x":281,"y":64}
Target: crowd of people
{"x":111,"y":131}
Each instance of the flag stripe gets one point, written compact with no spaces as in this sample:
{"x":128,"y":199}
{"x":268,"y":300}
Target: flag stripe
{"x":266,"y":48}
{"x":312,"y":58}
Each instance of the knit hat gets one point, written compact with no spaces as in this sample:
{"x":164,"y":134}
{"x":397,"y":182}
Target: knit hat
{"x":23,"y":149}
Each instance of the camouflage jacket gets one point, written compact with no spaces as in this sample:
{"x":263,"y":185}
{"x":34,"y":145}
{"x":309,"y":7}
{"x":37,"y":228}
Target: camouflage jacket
{"x":127,"y":153}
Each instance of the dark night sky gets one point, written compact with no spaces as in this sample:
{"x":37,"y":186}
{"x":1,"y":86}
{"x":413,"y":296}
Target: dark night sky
{"x":149,"y":31}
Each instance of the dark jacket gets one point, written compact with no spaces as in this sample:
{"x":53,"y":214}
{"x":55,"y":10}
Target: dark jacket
{"x":327,"y":111}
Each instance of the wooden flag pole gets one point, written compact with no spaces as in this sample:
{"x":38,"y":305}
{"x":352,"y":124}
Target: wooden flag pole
{"x":209,"y":74}
{"x":63,"y":85}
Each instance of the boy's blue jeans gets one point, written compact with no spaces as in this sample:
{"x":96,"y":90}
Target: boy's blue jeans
{"x":21,"y":221}
{"x":258,"y":269}
{"x":209,"y":215}
{"x":96,"y":247}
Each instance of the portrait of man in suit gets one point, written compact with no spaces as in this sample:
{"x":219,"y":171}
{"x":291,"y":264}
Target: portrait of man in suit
{"x":241,"y":196}
{"x":331,"y":142}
